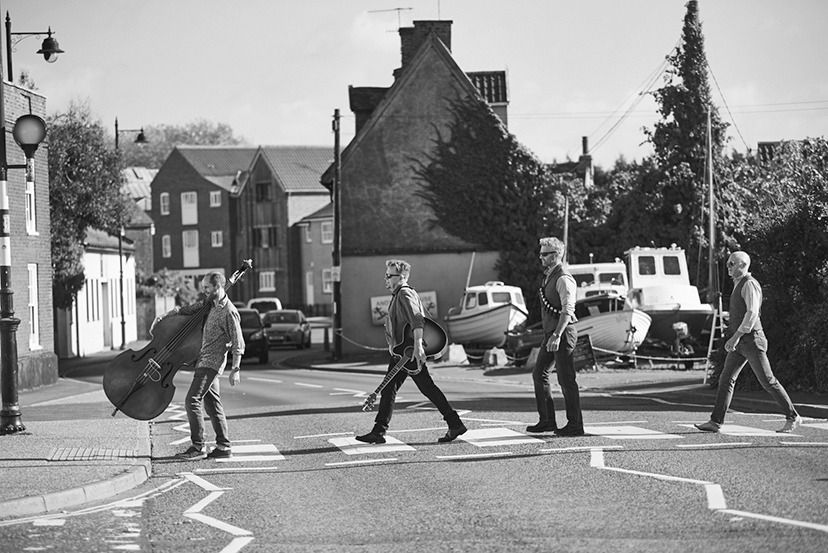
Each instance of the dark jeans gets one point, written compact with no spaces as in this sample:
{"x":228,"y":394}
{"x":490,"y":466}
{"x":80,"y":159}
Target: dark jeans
{"x":565,"y":370}
{"x":752,"y":349}
{"x":427,"y":387}
{"x":205,"y":389}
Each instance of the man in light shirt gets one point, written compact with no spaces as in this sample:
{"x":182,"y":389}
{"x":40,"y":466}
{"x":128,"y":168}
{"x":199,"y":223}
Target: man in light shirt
{"x":746,"y":343}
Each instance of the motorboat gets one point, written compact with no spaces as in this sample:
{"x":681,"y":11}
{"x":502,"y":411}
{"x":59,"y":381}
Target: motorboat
{"x":660,"y":286}
{"x":485,"y":314}
{"x":595,"y":279}
{"x":611,"y":323}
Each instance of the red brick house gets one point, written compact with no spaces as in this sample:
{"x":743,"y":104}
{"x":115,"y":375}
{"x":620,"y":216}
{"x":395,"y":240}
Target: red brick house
{"x":194,"y":196}
{"x":31,"y":254}
{"x":314,"y":235}
{"x":280,"y":188}
{"x":382,"y":215}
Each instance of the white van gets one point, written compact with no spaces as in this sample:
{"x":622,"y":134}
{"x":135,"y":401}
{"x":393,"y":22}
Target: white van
{"x":264,"y":304}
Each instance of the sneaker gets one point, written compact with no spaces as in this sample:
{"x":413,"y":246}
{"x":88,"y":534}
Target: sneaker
{"x":708,"y":426}
{"x":192,"y":453}
{"x":790,"y":425}
{"x":570,"y":431}
{"x":218,"y":453}
{"x":371,"y":438}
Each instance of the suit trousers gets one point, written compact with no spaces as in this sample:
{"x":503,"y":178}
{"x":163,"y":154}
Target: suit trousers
{"x":565,"y":369}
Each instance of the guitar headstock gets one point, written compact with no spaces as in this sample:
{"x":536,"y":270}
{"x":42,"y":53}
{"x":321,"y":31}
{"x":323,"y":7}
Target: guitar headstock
{"x":245,"y":266}
{"x":368,"y":404}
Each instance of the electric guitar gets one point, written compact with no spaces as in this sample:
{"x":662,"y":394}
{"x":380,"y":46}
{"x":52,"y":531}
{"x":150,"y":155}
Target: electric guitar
{"x":434,"y":343}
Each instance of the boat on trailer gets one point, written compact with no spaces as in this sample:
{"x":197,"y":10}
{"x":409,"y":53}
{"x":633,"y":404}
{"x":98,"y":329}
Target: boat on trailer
{"x":485,"y":314}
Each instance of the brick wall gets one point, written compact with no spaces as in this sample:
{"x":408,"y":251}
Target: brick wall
{"x":36,"y":365}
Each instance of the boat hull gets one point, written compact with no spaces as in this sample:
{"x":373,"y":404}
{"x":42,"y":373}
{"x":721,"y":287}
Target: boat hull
{"x":616,"y":331}
{"x":698,"y":320}
{"x":484,"y":328}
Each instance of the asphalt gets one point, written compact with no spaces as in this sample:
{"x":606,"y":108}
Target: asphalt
{"x":73,"y":452}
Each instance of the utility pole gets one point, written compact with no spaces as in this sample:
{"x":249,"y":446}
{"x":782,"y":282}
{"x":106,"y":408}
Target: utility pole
{"x":337,"y":243}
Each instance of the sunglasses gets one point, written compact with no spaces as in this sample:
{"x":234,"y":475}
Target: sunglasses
{"x":544,"y":254}
{"x":387,"y":276}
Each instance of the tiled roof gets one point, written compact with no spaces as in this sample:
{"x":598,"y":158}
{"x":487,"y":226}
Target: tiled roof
{"x":299,"y":167}
{"x":100,"y":240}
{"x":218,"y":161}
{"x":135,"y":182}
{"x":324,"y":213}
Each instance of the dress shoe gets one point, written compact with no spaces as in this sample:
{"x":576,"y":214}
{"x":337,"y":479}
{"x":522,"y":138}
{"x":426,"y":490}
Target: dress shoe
{"x":192,"y":453}
{"x":709,"y":426}
{"x":790,"y":425}
{"x":218,"y":453}
{"x":542,"y":427}
{"x":453,"y":433}
{"x":569,"y":431}
{"x":371,"y":438}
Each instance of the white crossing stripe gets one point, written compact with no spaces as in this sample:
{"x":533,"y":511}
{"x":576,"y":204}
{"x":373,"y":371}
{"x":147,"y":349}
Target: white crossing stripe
{"x":822,"y":425}
{"x":253,"y":452}
{"x":624,"y":432}
{"x":488,"y":437}
{"x":738,"y":430}
{"x":351,"y":446}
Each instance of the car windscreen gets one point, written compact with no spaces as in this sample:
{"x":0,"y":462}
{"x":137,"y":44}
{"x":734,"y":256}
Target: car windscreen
{"x":263,"y":306}
{"x":250,"y":319}
{"x":281,"y":318}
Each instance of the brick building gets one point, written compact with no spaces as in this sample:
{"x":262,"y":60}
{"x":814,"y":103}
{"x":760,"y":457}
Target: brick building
{"x":30,"y":230}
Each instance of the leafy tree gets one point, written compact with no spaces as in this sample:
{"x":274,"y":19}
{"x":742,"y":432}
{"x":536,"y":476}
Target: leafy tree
{"x":161,"y":139}
{"x":680,"y":140}
{"x":84,"y":192}
{"x":486,"y":188}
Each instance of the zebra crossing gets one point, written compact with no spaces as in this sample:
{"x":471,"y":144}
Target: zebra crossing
{"x":494,"y":440}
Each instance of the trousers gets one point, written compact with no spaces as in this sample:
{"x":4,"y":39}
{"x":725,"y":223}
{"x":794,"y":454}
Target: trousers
{"x":565,"y":369}
{"x":204,"y":394}
{"x":751,"y":349}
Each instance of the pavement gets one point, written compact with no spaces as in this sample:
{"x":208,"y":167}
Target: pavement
{"x":73,"y":452}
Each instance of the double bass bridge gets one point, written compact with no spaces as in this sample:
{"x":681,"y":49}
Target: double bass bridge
{"x":152,"y":370}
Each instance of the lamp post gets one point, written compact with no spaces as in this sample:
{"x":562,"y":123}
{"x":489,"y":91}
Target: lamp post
{"x":49,"y":48}
{"x":29,"y":132}
{"x":140,"y":139}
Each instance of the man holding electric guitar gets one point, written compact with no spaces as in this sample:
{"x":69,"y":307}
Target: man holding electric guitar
{"x":405,"y":328}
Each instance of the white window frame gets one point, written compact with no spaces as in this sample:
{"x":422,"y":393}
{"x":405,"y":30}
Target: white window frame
{"x":34,"y":316}
{"x":327,"y":232}
{"x":189,"y":208}
{"x":216,"y":238}
{"x":166,"y":246}
{"x":267,"y":281}
{"x":190,"y":251}
{"x":215,"y":198}
{"x":308,"y":234}
{"x":327,"y":281}
{"x":164,"y":203}
{"x":31,"y":207}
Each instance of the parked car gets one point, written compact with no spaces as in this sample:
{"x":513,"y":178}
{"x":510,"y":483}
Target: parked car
{"x":255,"y":341}
{"x":263,"y":305}
{"x":287,"y":327}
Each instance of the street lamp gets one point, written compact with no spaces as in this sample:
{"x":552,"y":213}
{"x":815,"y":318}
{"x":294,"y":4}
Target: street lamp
{"x":140,"y":139}
{"x":29,"y":131}
{"x":49,"y":48}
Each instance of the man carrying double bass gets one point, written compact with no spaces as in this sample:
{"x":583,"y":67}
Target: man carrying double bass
{"x":222,"y":333}
{"x":407,"y":309}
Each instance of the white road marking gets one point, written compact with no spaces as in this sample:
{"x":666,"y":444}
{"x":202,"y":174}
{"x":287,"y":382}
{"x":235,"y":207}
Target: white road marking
{"x":811,"y":444}
{"x":306,"y":385}
{"x":259,"y":379}
{"x":49,"y":522}
{"x":628,"y":433}
{"x":323,"y":435}
{"x":236,"y":544}
{"x":476,"y":455}
{"x":579,"y":448}
{"x":417,"y":430}
{"x":212,"y":496}
{"x":255,"y":452}
{"x":237,"y":469}
{"x":362,"y":462}
{"x":202,"y":483}
{"x":488,"y":437}
{"x":351,"y":446}
{"x":738,"y":430}
{"x":715,"y":497}
{"x":348,"y":392}
{"x":722,"y":444}
{"x":820,"y":425}
{"x":218,"y":524}
{"x":495,"y":421}
{"x":811,"y":525}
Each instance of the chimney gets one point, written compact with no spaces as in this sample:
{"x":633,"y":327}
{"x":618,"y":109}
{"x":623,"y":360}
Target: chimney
{"x":411,"y":38}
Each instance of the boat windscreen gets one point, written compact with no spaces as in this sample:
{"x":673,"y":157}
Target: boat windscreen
{"x":501,"y":297}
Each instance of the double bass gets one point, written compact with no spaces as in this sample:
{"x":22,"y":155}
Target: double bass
{"x":140,"y":383}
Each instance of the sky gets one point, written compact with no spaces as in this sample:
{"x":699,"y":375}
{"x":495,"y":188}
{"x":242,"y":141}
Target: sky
{"x":275,"y":70}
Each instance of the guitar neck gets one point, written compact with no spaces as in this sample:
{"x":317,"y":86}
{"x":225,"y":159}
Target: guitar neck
{"x":392,"y":373}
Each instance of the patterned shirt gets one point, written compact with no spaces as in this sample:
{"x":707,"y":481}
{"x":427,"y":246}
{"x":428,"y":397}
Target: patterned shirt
{"x":222,"y":333}
{"x":405,"y":308}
